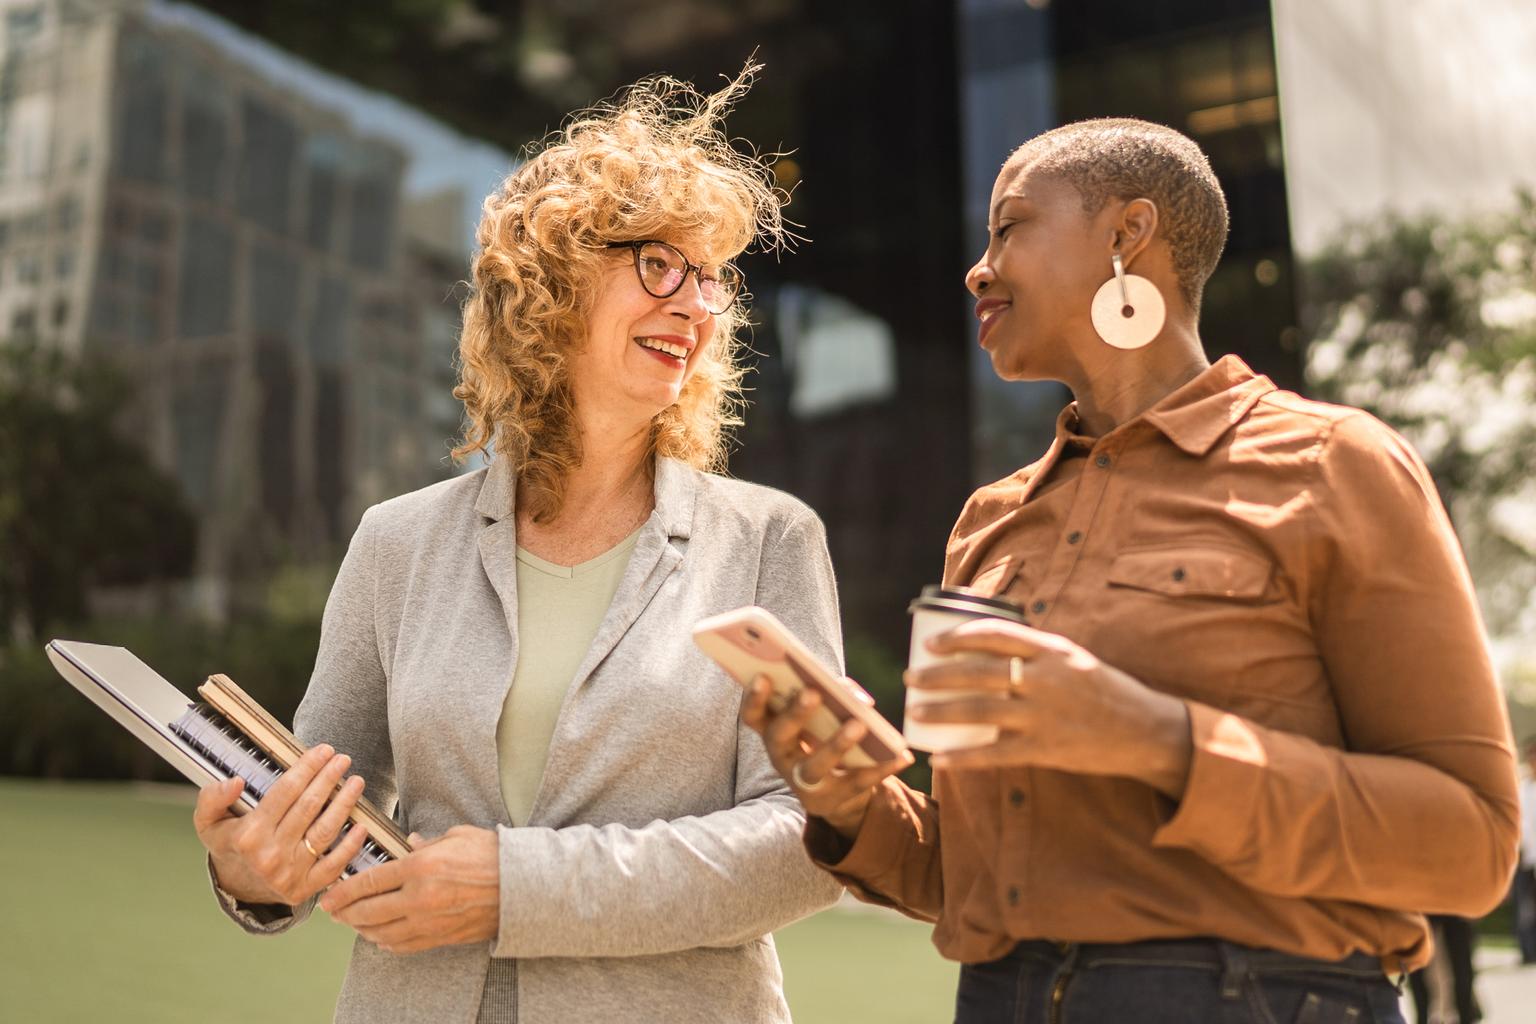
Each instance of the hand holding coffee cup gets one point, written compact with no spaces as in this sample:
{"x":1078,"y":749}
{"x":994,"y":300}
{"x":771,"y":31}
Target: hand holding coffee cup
{"x":1051,"y":704}
{"x":937,"y":611}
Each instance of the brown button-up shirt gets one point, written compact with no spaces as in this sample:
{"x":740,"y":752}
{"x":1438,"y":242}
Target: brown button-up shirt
{"x":1286,"y":568}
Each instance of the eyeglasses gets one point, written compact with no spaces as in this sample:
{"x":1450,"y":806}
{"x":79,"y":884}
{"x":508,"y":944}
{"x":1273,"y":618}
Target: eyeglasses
{"x":662,"y":271}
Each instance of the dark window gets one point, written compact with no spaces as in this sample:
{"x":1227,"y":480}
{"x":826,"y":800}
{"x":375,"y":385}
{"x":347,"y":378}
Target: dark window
{"x":197,"y":412}
{"x":274,"y":292}
{"x":139,"y":136}
{"x":204,"y":139}
{"x":67,"y":213}
{"x":274,"y":373}
{"x":266,"y":164}
{"x":373,"y":221}
{"x":321,"y":190}
{"x":207,"y":257}
{"x":327,"y":323}
{"x":330,"y":445}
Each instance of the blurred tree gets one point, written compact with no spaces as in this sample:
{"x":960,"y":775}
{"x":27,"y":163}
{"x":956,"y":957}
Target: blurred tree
{"x":79,"y":504}
{"x":1430,"y":323}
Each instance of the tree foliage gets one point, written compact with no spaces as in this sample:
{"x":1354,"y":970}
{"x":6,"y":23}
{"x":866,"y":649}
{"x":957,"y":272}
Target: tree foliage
{"x":1430,"y":323}
{"x":80,"y":505}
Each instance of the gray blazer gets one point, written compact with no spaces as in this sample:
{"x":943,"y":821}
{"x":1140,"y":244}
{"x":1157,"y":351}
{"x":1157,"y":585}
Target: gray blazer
{"x":662,"y":847}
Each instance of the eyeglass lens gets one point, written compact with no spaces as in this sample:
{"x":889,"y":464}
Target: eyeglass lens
{"x":663,"y":268}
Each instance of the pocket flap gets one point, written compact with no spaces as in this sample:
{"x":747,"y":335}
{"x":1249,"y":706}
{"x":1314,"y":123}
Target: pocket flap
{"x":1193,"y":572}
{"x":994,"y":579}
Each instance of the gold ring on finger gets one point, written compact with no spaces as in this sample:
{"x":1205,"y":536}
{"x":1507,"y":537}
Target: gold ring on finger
{"x":1016,"y":676}
{"x":800,"y":781}
{"x":312,"y":851}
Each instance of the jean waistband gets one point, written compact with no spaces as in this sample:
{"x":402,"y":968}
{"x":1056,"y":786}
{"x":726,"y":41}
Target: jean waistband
{"x":1229,"y":958}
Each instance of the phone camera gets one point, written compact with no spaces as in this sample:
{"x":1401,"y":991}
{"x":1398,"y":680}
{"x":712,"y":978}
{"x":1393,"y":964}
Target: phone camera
{"x":753,"y":634}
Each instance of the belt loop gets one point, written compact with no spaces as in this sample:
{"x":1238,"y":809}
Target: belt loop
{"x":1235,"y":968}
{"x":1069,"y":951}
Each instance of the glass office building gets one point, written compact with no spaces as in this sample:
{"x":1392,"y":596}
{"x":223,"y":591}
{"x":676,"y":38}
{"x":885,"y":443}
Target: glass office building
{"x":870,"y":397}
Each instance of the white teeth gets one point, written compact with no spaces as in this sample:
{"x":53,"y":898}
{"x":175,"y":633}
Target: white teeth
{"x":675,"y":351}
{"x":989,"y":314}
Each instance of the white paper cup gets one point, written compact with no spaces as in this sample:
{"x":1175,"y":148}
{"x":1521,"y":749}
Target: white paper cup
{"x":939,"y":610}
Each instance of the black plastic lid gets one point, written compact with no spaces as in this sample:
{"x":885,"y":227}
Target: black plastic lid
{"x":963,"y":602}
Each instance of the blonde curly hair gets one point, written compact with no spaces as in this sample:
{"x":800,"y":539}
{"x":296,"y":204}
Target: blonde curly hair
{"x":652,"y":163}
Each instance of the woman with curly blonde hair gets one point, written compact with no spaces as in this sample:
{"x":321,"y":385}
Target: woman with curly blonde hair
{"x":506,"y":656}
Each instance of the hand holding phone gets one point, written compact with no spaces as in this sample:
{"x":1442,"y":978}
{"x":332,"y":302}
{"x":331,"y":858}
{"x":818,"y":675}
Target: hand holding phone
{"x":750,"y":642}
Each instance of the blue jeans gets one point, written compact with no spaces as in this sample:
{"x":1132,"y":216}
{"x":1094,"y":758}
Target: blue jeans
{"x":1191,"y":981}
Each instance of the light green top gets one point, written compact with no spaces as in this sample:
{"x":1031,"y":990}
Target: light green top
{"x":559,"y":608}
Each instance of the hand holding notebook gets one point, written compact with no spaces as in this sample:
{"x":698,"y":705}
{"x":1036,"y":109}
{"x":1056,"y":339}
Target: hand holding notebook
{"x":282,"y":851}
{"x":315,"y":829}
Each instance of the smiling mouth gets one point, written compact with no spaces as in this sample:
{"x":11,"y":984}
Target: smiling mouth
{"x":666,"y":348}
{"x":989,"y":318}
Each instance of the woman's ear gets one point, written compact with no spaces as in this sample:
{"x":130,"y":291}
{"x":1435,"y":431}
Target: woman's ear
{"x":1136,"y":227}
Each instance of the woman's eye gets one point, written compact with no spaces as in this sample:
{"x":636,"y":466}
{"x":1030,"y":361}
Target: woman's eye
{"x":1002,"y":229}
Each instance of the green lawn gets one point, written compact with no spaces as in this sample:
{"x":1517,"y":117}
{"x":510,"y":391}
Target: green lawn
{"x":108,"y":916}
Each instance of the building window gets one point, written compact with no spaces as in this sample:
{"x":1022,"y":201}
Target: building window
{"x":67,"y":213}
{"x":206,"y":292}
{"x":266,"y":164}
{"x":139,"y":135}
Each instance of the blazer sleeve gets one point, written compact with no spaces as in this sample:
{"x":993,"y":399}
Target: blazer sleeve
{"x":345,"y":705}
{"x":1420,"y":811}
{"x":719,"y":879}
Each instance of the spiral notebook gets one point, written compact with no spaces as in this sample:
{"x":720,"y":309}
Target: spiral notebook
{"x":225,"y":734}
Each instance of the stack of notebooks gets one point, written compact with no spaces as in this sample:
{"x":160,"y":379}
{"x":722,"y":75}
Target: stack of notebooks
{"x":224,"y":735}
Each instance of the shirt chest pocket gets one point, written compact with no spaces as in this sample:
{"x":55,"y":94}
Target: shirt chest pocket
{"x":1191,"y":572}
{"x":994,"y":579}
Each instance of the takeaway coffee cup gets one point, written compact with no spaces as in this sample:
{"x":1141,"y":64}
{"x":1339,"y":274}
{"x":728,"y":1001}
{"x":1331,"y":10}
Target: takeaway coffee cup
{"x":938,"y":610}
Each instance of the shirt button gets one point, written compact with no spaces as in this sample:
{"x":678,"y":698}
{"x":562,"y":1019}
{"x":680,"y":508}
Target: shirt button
{"x":1016,"y":797}
{"x":1178,"y":575}
{"x":1037,"y":607}
{"x":1074,"y":537}
{"x":1013,"y":895}
{"x":1101,"y":461}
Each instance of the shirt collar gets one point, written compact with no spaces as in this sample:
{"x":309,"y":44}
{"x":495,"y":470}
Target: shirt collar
{"x":1195,"y":416}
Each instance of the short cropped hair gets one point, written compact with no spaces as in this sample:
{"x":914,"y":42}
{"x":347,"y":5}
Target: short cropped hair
{"x":652,"y":163}
{"x":1125,"y":158}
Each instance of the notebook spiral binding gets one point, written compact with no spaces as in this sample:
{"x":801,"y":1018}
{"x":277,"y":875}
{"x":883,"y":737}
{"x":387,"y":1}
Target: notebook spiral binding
{"x":229,"y":751}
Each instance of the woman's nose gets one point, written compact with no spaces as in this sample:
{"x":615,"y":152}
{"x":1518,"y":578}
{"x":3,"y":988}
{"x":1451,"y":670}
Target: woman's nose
{"x":688,"y":301}
{"x":979,"y":277}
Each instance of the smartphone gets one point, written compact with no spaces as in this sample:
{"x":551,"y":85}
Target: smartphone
{"x":749,"y":642}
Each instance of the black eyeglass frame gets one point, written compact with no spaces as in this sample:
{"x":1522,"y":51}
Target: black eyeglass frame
{"x":688,"y":268}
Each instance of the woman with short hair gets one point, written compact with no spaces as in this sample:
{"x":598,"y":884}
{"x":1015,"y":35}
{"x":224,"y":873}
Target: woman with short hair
{"x":1250,"y":732}
{"x":506,"y":656}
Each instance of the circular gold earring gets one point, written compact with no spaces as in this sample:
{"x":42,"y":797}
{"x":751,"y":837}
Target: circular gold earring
{"x":1128,"y":310}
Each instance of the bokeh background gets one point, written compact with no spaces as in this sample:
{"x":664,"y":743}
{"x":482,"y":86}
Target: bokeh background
{"x":233,"y":238}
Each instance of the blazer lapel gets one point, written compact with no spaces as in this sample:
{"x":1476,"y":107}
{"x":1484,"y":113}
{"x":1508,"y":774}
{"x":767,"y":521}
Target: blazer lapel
{"x":498,"y":541}
{"x":658,"y":553}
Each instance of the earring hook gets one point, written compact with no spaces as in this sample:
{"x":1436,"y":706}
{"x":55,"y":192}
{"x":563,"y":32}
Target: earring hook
{"x":1125,"y":299}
